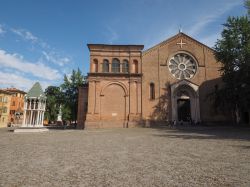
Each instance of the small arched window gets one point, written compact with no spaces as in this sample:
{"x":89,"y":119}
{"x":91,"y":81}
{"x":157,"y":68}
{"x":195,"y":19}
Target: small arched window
{"x":95,"y":65}
{"x":152,"y":91}
{"x":115,"y":66}
{"x":125,"y":66}
{"x":135,"y":63}
{"x":105,"y":66}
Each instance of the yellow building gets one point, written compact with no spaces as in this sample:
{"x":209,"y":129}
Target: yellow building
{"x":5,"y":99}
{"x":16,"y":106}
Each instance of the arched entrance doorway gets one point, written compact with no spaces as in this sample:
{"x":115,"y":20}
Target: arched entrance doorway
{"x":185,"y":102}
{"x":183,"y":109}
{"x":113,"y":105}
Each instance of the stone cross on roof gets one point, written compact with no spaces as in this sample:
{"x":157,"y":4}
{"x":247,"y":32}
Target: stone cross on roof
{"x":181,"y":43}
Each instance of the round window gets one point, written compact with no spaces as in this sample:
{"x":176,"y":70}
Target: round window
{"x":182,"y":66}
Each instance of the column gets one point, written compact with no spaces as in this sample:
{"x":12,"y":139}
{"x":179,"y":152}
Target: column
{"x":132,"y":94}
{"x":24,"y":115}
{"x":100,"y":67}
{"x":91,"y":97}
{"x":42,"y":118}
{"x":41,"y":115}
{"x":44,"y":106}
{"x":31,"y":118}
{"x":110,"y":66}
{"x":28,"y":118}
{"x":97,"y":97}
{"x":38,"y":105}
{"x":37,"y":117}
{"x":139,"y":95}
{"x":120,"y":67}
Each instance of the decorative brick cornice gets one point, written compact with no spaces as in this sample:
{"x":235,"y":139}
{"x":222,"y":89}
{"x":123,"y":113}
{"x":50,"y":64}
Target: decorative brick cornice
{"x":127,"y":75}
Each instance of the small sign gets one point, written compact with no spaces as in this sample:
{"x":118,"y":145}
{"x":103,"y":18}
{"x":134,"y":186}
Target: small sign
{"x":114,"y":114}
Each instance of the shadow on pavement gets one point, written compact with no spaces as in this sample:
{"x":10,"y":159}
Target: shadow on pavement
{"x":204,"y":132}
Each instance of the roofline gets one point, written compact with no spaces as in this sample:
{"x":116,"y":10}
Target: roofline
{"x":116,"y":45}
{"x":14,"y":91}
{"x":33,"y":97}
{"x":6,"y":92}
{"x":171,"y":38}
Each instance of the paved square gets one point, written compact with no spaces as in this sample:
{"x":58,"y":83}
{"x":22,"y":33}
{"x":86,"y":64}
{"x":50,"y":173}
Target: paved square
{"x":126,"y":157}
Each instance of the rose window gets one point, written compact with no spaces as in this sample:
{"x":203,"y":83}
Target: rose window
{"x":182,"y":66}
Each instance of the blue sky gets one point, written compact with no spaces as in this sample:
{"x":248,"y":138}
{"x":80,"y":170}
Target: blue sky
{"x":44,"y":39}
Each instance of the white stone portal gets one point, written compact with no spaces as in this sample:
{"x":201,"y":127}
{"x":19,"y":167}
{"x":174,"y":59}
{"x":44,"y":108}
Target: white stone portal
{"x":189,"y":91}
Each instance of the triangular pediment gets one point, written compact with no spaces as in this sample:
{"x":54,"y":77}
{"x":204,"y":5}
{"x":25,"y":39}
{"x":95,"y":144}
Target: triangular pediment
{"x":175,"y":37}
{"x":184,"y":82}
{"x":36,"y":91}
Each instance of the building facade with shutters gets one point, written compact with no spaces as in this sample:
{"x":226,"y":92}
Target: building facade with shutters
{"x":16,"y":106}
{"x":168,"y":82}
{"x":5,"y":102}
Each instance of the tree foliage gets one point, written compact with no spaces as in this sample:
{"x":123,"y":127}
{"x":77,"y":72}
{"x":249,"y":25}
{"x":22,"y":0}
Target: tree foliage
{"x":70,"y":94}
{"x":233,"y":51}
{"x":64,"y":97}
{"x":53,"y":95}
{"x":247,"y":4}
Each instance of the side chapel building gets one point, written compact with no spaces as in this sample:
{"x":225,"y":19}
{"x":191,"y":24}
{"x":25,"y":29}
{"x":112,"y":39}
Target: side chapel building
{"x":170,"y":81}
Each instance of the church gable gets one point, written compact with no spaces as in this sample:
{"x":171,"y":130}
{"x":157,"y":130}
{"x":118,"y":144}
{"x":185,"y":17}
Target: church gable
{"x":182,"y":40}
{"x":158,"y":59}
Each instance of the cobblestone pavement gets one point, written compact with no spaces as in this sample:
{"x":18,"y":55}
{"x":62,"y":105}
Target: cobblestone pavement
{"x":126,"y":157}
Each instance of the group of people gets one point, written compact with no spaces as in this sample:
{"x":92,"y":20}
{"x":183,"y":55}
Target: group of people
{"x":189,"y":121}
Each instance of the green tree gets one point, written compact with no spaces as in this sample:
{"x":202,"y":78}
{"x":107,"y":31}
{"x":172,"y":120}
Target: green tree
{"x":233,"y":51}
{"x":53,"y":95}
{"x":247,"y":4}
{"x":70,"y":94}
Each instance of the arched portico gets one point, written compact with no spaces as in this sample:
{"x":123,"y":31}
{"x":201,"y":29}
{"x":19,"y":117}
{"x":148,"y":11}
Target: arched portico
{"x":185,"y":101}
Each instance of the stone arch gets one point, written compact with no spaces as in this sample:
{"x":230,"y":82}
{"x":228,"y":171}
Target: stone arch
{"x":117,"y":83}
{"x":135,"y":66}
{"x":189,"y":91}
{"x":95,"y":65}
{"x":113,"y":103}
{"x":185,"y":88}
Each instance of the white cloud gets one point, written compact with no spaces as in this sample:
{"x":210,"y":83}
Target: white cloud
{"x":26,"y":35}
{"x":10,"y":79}
{"x":50,"y":54}
{"x":202,"y":22}
{"x":55,"y":58}
{"x":36,"y":69}
{"x":19,"y":81}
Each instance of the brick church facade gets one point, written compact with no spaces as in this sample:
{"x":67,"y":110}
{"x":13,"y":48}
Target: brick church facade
{"x":168,"y":82}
